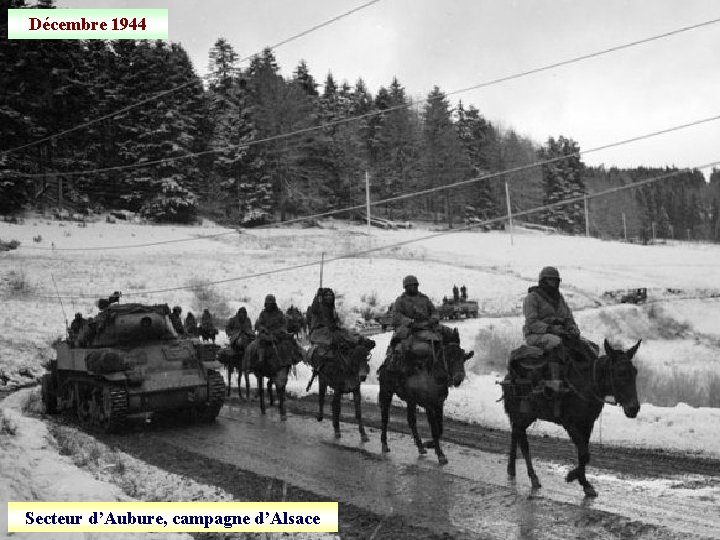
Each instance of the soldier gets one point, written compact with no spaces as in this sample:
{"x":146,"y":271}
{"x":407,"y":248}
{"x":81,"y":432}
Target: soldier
{"x":271,"y":327}
{"x":412,"y":311}
{"x":463,"y":293}
{"x":456,"y":294}
{"x":176,"y":322}
{"x":75,"y":327}
{"x":115,"y":298}
{"x":326,"y":327}
{"x":191,"y":327}
{"x":207,"y":326}
{"x":548,"y":322}
{"x":239,"y":329}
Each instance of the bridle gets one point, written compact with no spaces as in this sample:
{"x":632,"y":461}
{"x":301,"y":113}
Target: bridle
{"x":595,"y":388}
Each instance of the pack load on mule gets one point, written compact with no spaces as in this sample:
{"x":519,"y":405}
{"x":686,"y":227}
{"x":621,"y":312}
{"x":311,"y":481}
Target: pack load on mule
{"x":423,"y":359}
{"x":127,"y":362}
{"x":339,"y":358}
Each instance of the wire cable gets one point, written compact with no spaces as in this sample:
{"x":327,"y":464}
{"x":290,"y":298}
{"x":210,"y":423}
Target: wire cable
{"x":360,"y":253}
{"x":406,"y":196}
{"x":184,"y":85}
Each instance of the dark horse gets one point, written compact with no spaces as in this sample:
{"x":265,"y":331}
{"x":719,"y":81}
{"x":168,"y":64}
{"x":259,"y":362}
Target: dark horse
{"x":274,"y":364}
{"x":427,"y":386}
{"x":343,"y":369}
{"x":296,"y":322}
{"x":232,"y":358}
{"x":612,"y":374}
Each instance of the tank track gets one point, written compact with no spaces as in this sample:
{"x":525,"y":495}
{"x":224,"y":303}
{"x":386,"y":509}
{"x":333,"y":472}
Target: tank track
{"x":216,"y":395}
{"x":118,"y":410}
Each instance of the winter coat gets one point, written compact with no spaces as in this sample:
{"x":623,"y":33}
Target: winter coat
{"x":237,"y":326}
{"x":272,"y":321}
{"x":408,"y":309}
{"x":543,"y":315}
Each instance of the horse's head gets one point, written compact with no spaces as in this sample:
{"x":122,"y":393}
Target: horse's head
{"x":622,"y":375}
{"x":455,"y":357}
{"x":359,"y":357}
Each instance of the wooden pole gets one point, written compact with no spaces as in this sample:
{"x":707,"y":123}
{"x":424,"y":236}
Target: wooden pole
{"x":509,"y":211}
{"x":624,"y":227}
{"x":587,"y":218}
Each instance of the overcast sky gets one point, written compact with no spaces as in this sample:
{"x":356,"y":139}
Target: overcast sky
{"x":459,"y":43}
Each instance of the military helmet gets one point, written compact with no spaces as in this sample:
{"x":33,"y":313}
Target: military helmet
{"x":410,"y":280}
{"x":177,"y":309}
{"x":270,"y":299}
{"x":243,"y":310}
{"x":78,"y":315}
{"x":549,"y":272}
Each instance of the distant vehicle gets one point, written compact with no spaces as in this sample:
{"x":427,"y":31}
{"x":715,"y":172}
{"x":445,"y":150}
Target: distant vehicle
{"x":368,"y":328}
{"x":468,"y":309}
{"x":635,"y":296}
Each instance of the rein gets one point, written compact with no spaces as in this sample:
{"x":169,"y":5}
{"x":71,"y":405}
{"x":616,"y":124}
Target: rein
{"x":595,"y":386}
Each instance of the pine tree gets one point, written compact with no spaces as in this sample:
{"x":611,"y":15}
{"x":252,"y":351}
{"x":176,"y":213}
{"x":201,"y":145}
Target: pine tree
{"x":563,"y":180}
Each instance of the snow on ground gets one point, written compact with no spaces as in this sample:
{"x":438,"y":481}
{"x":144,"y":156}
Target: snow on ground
{"x":677,"y":335}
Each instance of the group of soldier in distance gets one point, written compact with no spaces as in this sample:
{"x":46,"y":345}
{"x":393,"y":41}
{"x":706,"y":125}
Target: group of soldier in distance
{"x":557,"y":375}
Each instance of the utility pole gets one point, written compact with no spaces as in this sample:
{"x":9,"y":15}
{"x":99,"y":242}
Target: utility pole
{"x":653,"y":231}
{"x":587,"y":218}
{"x":624,"y":227}
{"x":367,"y":199}
{"x":509,"y":211}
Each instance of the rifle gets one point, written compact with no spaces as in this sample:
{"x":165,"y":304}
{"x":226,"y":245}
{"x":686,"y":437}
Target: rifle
{"x":67,"y":327}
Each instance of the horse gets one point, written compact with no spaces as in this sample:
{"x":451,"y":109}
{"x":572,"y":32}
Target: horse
{"x":232,"y":358}
{"x":296,"y":323}
{"x":612,"y":374}
{"x":274,"y":364}
{"x":441,"y":365}
{"x":342,"y":368}
{"x":207,"y":333}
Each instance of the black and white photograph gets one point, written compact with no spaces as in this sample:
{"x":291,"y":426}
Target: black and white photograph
{"x":453,"y":266}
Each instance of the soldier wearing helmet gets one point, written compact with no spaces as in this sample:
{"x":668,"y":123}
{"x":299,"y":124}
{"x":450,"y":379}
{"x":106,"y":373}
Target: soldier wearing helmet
{"x":412,"y":310}
{"x":548,"y":322}
{"x":75,"y":327}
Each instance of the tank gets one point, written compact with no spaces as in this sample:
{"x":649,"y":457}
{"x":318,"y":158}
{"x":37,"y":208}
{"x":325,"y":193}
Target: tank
{"x":128,"y":362}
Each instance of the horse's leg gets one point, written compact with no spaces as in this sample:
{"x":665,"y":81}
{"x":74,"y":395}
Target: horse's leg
{"x":412,"y":422}
{"x":513,"y":453}
{"x":357,"y":400}
{"x":270,"y":391}
{"x":521,"y":434}
{"x":432,"y":416}
{"x":322,"y":388}
{"x":229,"y":378}
{"x":439,"y":421}
{"x":385,"y":398}
{"x":247,"y":384}
{"x":261,"y":392}
{"x":581,"y":438}
{"x":337,"y":396}
{"x":280,"y":380}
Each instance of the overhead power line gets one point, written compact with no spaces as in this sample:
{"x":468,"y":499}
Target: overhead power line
{"x":485,"y":84}
{"x":410,"y":195}
{"x":184,"y":85}
{"x":360,"y":253}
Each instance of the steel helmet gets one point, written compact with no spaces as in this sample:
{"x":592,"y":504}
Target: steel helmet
{"x":410,"y":280}
{"x":270,"y":299}
{"x":549,"y":272}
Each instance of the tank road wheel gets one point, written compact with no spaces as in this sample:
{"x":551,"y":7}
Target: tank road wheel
{"x":49,"y":393}
{"x":216,"y":396}
{"x":110,"y":412}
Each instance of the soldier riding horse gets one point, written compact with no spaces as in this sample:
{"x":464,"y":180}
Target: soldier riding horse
{"x":423,"y":360}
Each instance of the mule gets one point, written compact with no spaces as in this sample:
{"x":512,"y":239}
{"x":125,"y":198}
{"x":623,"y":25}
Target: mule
{"x":427,"y":386}
{"x":275,"y":364}
{"x":232,"y":358}
{"x":343,"y":369}
{"x":612,"y":374}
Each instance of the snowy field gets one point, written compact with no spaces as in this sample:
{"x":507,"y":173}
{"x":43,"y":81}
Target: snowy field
{"x":681,"y":337}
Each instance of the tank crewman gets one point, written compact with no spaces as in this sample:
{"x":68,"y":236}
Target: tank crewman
{"x":412,"y":310}
{"x":191,"y":326}
{"x":456,"y":294}
{"x":548,"y":320}
{"x":239,"y":329}
{"x":176,"y":322}
{"x":75,"y":327}
{"x":115,"y":298}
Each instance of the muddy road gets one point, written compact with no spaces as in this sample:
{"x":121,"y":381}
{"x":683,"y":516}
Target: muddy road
{"x":401,"y":495}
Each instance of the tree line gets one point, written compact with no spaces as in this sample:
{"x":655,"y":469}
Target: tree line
{"x":237,"y":166}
